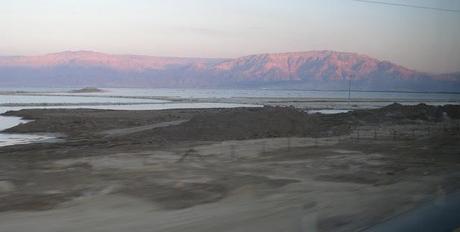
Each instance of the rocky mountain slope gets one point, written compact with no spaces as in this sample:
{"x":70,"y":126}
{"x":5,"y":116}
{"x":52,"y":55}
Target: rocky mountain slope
{"x":302,"y":70}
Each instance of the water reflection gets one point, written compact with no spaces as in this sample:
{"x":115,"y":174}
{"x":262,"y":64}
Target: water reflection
{"x":7,"y":139}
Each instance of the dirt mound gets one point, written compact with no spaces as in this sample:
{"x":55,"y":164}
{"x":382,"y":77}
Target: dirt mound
{"x":453,"y":111}
{"x":222,"y":124}
{"x":77,"y":122}
{"x":87,"y":90}
{"x":250,"y":123}
{"x":268,"y":122}
{"x":405,"y":113}
{"x":416,"y":112}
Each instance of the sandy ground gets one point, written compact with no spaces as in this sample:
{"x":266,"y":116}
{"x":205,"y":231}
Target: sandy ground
{"x":168,"y":171}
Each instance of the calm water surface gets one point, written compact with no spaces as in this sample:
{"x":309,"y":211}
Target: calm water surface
{"x":265,"y":93}
{"x":230,"y":93}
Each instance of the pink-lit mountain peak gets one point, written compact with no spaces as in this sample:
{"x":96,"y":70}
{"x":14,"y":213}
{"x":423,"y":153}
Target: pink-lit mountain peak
{"x":283,"y":65}
{"x":314,"y":64}
{"x":314,"y":69}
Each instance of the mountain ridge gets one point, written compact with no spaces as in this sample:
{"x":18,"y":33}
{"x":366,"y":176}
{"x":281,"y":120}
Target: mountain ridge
{"x":84,"y":57}
{"x":309,"y":69}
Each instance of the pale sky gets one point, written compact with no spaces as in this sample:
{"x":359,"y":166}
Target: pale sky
{"x":421,"y":39}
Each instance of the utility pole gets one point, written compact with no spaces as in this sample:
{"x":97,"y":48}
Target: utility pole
{"x":349,"y":90}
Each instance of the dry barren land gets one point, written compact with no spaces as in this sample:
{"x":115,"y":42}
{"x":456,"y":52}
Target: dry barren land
{"x":247,"y":169}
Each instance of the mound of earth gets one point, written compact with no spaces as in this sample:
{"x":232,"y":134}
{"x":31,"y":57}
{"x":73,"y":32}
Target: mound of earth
{"x":223,"y":124}
{"x":250,"y":123}
{"x":269,"y":122}
{"x":405,"y":113}
{"x":88,"y":90}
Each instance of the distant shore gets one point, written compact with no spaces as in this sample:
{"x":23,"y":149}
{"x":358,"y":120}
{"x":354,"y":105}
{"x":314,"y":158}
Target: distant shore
{"x":307,"y":103}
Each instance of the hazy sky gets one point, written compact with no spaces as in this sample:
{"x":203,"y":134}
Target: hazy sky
{"x":425,"y":40}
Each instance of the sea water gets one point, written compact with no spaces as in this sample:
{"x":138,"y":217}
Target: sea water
{"x":7,"y":139}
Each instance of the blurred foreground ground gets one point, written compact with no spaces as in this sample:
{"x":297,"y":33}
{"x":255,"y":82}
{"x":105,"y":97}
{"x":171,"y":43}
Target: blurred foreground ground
{"x":261,"y":169}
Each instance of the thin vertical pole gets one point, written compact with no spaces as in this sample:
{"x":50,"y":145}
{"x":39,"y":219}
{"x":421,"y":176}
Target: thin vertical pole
{"x":349,"y":91}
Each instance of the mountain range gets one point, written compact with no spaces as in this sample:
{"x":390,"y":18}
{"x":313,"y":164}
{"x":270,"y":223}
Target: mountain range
{"x":317,"y":70}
